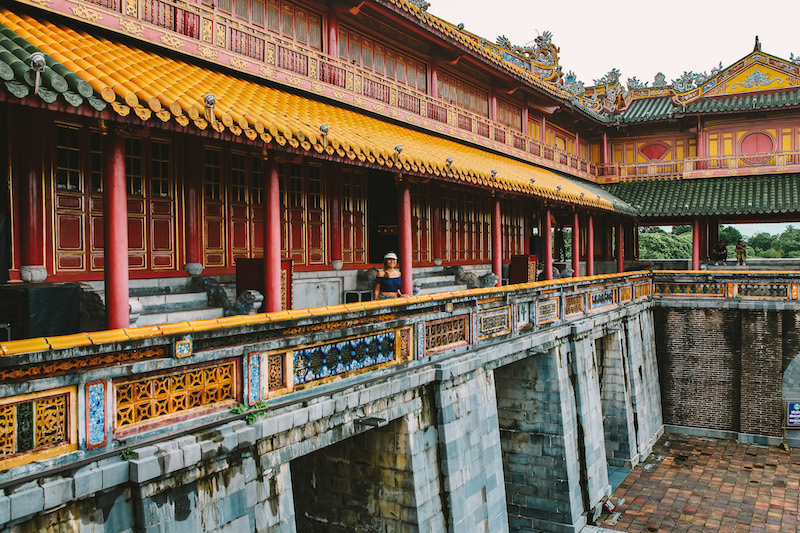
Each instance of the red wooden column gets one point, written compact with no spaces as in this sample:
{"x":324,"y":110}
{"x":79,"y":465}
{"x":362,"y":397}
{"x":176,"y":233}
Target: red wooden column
{"x":605,"y":149}
{"x":436,"y":215}
{"x":620,"y":248}
{"x":576,"y":244}
{"x":335,"y":188}
{"x":547,"y":234}
{"x":272,"y":238}
{"x":590,"y":246}
{"x":434,"y":88}
{"x":32,"y":267}
{"x":404,"y":210}
{"x":526,"y":233}
{"x":115,"y":228}
{"x":497,"y":241}
{"x":193,"y":186}
{"x":696,"y":245}
{"x":333,"y":33}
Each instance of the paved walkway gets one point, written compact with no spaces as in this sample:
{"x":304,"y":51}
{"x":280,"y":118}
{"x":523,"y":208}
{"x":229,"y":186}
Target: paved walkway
{"x":692,"y":484}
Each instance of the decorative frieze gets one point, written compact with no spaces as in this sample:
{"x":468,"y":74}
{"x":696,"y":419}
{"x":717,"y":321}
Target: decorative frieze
{"x":494,"y":322}
{"x":547,"y":310}
{"x":600,"y":299}
{"x":96,"y":414}
{"x":327,"y":360}
{"x":162,"y":396}
{"x":446,"y":333}
{"x":573,"y":304}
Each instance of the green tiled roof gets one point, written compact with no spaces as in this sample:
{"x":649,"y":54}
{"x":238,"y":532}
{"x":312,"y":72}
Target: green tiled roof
{"x":735,"y":195}
{"x":746,"y":102}
{"x":54,"y":79}
{"x":620,"y":205}
{"x":648,"y":109}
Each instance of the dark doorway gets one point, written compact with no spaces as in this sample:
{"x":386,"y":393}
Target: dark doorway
{"x":382,"y":213}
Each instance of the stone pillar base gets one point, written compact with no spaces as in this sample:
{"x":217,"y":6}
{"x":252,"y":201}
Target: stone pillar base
{"x":193,"y":269}
{"x":337,"y":264}
{"x":437,"y":261}
{"x":33,"y":273}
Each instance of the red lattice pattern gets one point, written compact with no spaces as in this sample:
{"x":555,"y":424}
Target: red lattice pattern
{"x":445,"y":332}
{"x":276,"y":374}
{"x":160,"y":396}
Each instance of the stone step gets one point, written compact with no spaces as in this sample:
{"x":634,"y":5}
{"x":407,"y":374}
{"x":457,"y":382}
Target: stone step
{"x":179,"y":316}
{"x":180,"y":298}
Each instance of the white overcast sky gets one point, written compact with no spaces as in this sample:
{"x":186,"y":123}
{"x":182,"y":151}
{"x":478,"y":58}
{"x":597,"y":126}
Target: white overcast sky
{"x":639,"y":38}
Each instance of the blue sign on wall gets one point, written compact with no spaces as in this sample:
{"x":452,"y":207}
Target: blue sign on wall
{"x":792,"y":409}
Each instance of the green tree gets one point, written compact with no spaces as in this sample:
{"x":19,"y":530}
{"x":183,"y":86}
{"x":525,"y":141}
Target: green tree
{"x":655,"y":245}
{"x":730,"y":235}
{"x":680,"y":230}
{"x":761,"y":242}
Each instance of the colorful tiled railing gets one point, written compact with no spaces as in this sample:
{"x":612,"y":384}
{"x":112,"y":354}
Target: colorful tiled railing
{"x":86,"y":393}
{"x":740,"y":285}
{"x":699,"y":167}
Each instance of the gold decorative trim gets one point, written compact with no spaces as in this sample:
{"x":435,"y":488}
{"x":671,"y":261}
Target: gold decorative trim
{"x":221,"y":35}
{"x":131,"y":28}
{"x":207,"y":52}
{"x":206,"y":31}
{"x":130,"y":8}
{"x":267,"y":72}
{"x":172,"y":41}
{"x":241,"y":64}
{"x":86,"y":13}
{"x":41,"y":2}
{"x":294,"y":80}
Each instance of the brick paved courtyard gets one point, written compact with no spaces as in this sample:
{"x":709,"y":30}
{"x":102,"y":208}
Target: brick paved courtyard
{"x":692,"y":484}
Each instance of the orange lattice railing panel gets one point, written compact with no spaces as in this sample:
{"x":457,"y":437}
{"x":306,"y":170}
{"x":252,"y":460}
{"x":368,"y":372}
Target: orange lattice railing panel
{"x":161,"y":397}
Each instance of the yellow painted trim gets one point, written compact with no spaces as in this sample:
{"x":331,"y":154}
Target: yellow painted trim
{"x":72,"y":427}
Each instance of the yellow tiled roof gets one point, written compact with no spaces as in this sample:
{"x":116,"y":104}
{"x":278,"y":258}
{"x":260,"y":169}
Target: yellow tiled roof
{"x":135,"y":80}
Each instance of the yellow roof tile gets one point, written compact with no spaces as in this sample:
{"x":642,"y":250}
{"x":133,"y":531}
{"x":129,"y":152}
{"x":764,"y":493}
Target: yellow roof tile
{"x":68,"y":341}
{"x":121,"y":73}
{"x":38,"y":344}
{"x":111,"y":335}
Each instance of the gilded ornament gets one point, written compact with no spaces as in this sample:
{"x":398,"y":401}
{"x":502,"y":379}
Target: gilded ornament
{"x":358,"y":101}
{"x":318,"y":88}
{"x":131,"y":28}
{"x":241,"y":64}
{"x":171,"y":40}
{"x":208,"y":53}
{"x":294,"y":80}
{"x":267,"y":72}
{"x":206,"y":31}
{"x":271,"y":54}
{"x":130,"y":8}
{"x":340,"y":95}
{"x":121,"y":109}
{"x":221,"y":35}
{"x":312,"y":69}
{"x":41,"y":2}
{"x":86,"y":13}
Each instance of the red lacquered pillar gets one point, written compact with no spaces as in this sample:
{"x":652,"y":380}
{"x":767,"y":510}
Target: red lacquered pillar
{"x":590,"y":246}
{"x":32,"y":267}
{"x":620,"y":248}
{"x":115,"y":222}
{"x":333,"y":33}
{"x":548,"y":245}
{"x":696,"y":245}
{"x":497,"y":242}
{"x":336,"y":215}
{"x":272,"y":239}
{"x":192,"y":180}
{"x":406,"y":284}
{"x":436,"y":215}
{"x":576,"y":245}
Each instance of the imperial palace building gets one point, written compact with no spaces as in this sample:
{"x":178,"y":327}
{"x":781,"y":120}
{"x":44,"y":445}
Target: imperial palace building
{"x":200,"y":193}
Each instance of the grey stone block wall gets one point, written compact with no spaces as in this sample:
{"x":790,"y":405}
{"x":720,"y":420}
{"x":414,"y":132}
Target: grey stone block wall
{"x":590,"y":416}
{"x":536,"y":410}
{"x":470,"y":454}
{"x":424,"y":453}
{"x":643,"y":365}
{"x":618,"y":419}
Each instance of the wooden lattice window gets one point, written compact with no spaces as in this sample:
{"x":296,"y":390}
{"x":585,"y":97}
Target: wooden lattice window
{"x":213,"y":174}
{"x":464,"y":95}
{"x":68,"y":158}
{"x":161,"y":396}
{"x":133,"y":166}
{"x":573,"y":304}
{"x":370,"y":55}
{"x":159,"y":164}
{"x":509,"y":114}
{"x":33,"y":425}
{"x":276,"y":372}
{"x":446,"y":333}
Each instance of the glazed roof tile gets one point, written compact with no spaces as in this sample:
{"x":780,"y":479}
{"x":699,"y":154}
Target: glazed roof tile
{"x":130,"y":79}
{"x":735,"y":195}
{"x":646,"y":109}
{"x":744,"y":102}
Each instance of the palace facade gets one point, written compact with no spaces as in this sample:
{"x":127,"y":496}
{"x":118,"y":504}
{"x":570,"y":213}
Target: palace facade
{"x":159,"y":139}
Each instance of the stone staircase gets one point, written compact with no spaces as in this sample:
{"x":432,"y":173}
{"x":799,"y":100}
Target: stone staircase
{"x":431,"y":280}
{"x":170,"y":300}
